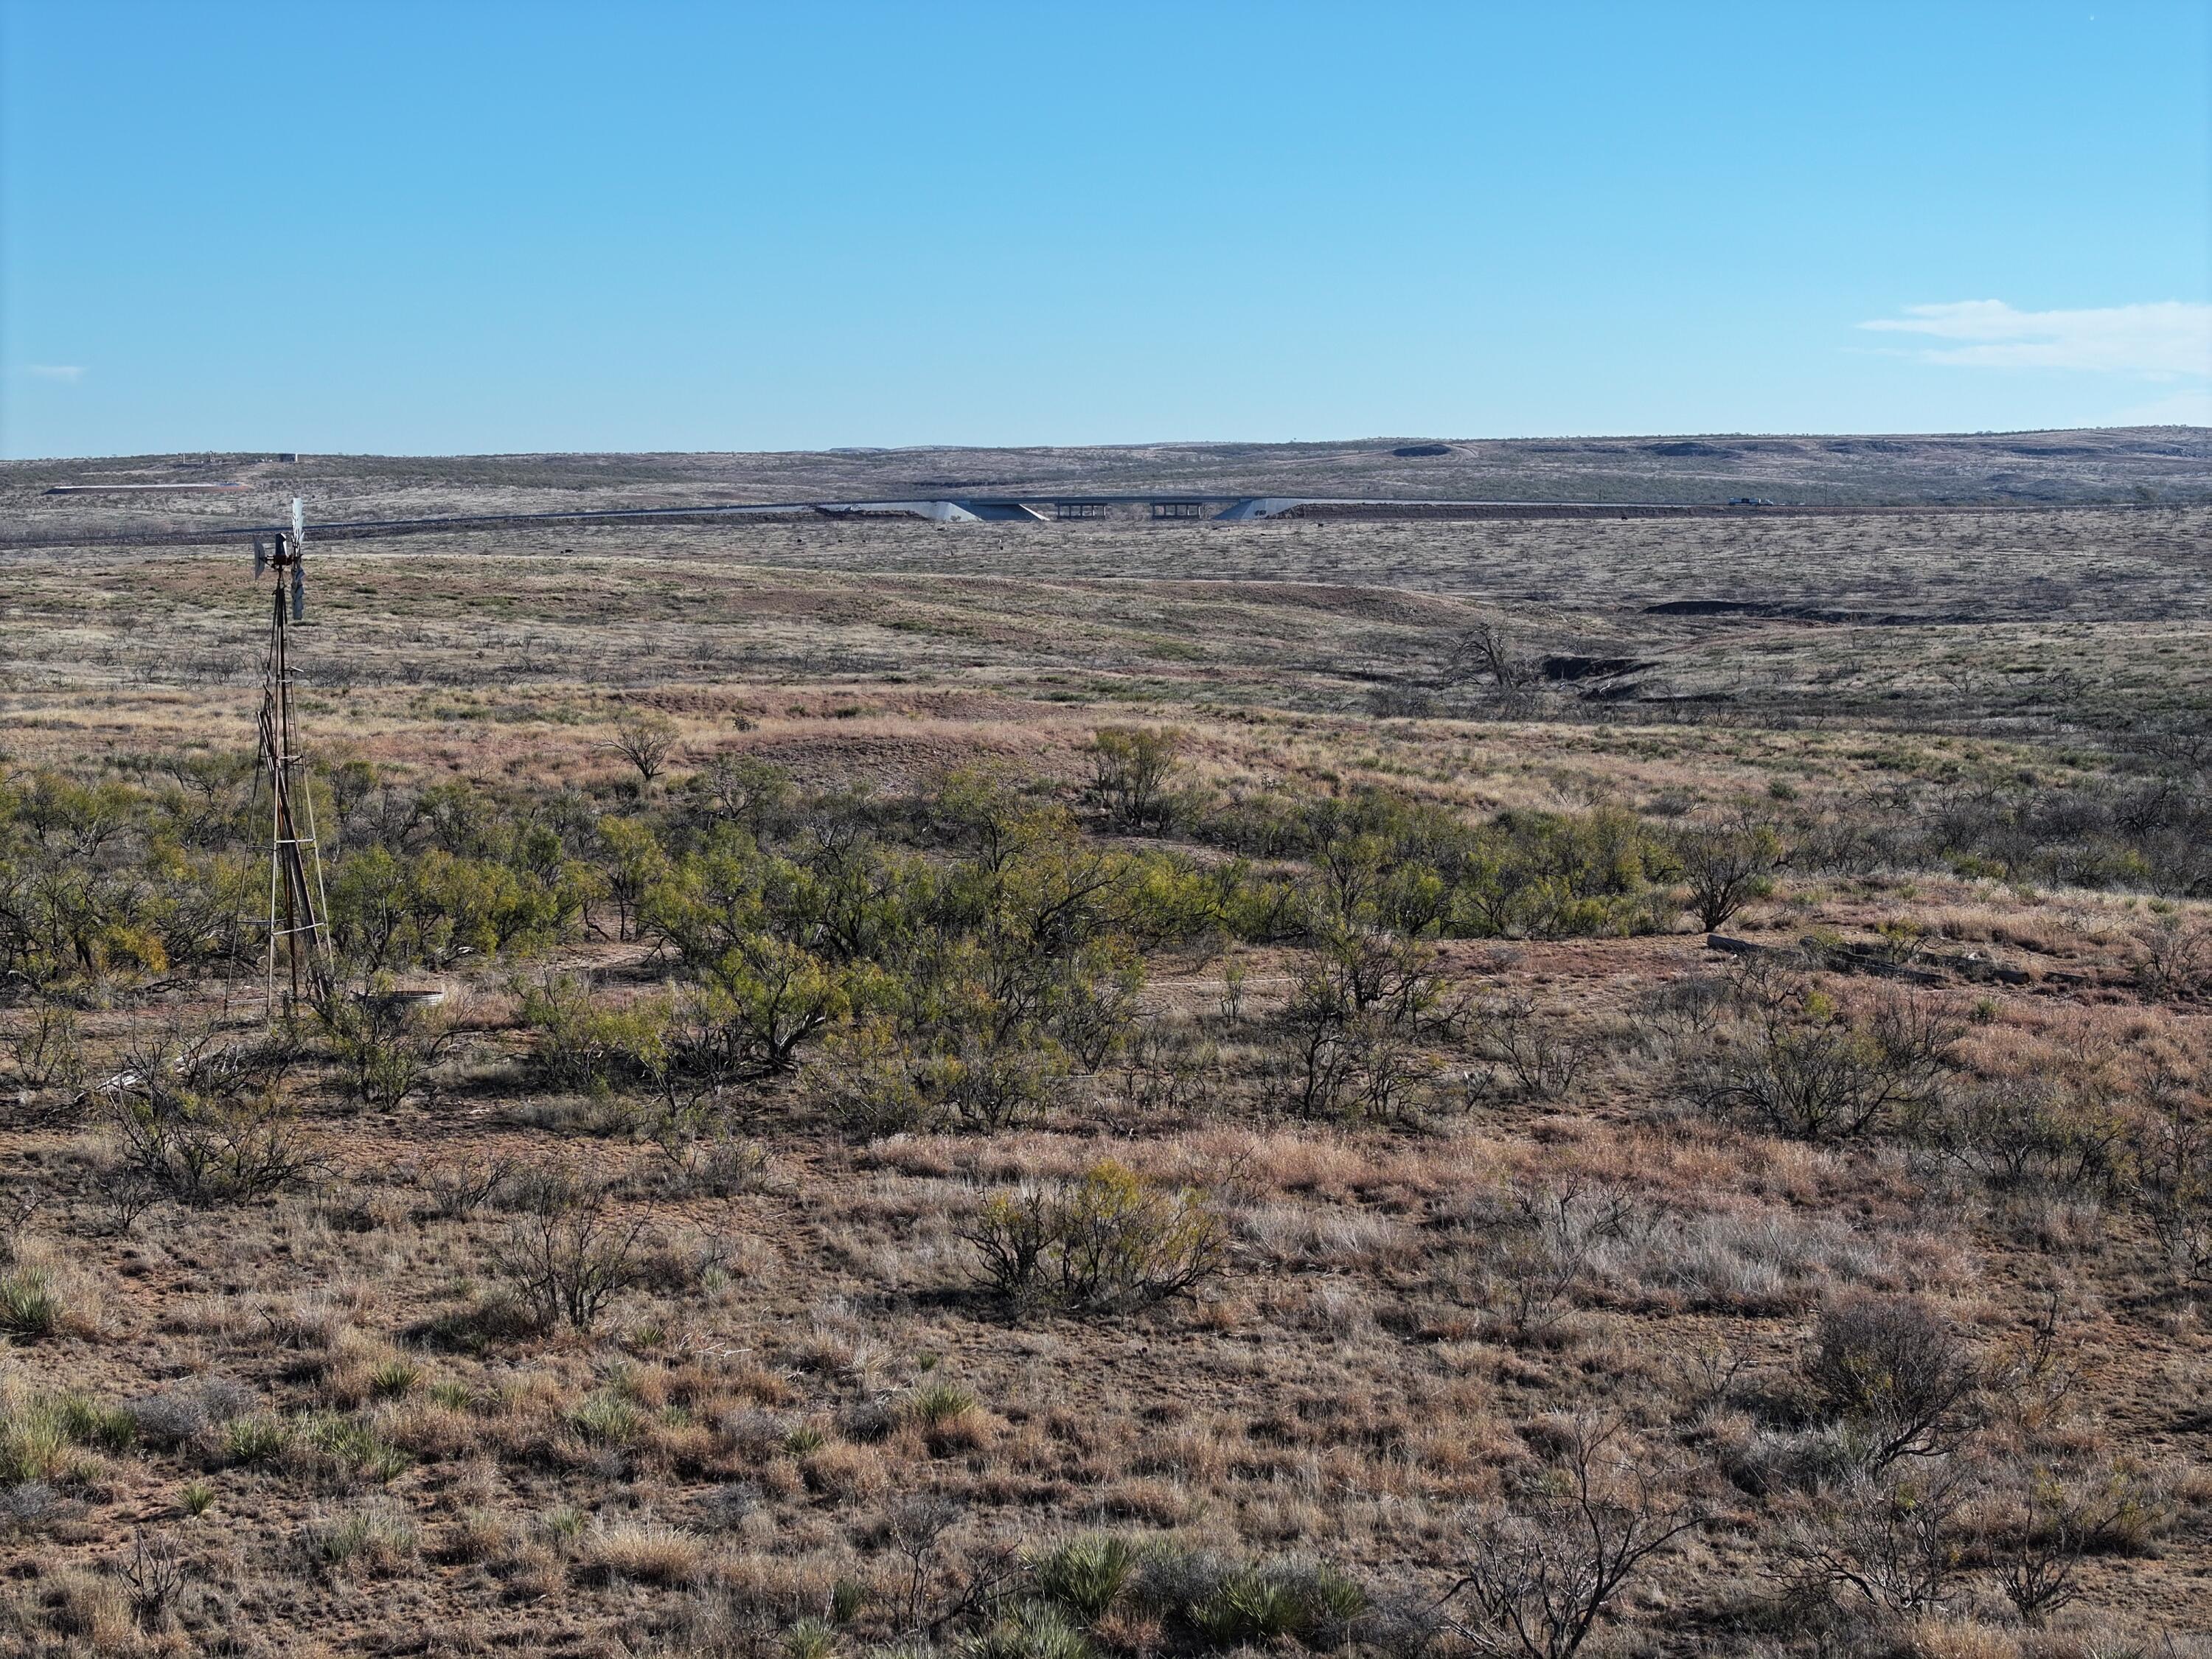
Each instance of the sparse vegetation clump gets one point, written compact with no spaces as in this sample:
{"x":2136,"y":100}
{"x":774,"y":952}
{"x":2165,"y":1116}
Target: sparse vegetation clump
{"x":1105,"y":1242}
{"x":1131,"y":770}
{"x":1807,"y":1068}
{"x":210,"y":1123}
{"x":567,"y":1254}
{"x":1549,"y":1563}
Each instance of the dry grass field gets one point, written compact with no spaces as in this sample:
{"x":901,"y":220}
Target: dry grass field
{"x":902,"y":1171}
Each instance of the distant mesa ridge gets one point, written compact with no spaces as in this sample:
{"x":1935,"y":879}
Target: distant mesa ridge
{"x":1742,"y":476}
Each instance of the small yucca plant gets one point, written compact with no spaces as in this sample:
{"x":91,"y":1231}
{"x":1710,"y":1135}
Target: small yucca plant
{"x":395,"y":1378}
{"x":1086,"y":1575}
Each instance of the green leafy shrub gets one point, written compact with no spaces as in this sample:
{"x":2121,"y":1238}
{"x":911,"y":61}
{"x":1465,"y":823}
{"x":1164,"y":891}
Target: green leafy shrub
{"x":386,"y":1048}
{"x":581,"y":1044}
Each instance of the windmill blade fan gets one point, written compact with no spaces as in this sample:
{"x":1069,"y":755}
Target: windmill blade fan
{"x":260,"y":558}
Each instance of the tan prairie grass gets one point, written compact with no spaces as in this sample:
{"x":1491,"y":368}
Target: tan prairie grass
{"x":641,"y":1548}
{"x":731,"y":622}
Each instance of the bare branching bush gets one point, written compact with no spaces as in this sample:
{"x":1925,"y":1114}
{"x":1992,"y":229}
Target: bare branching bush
{"x":1895,"y":1372}
{"x":1334,"y":1066}
{"x":1162,"y":1070}
{"x":44,"y":1045}
{"x":2170,"y":1155}
{"x":1540,"y":1243}
{"x":1132,"y":773}
{"x":1767,"y":984}
{"x":567,"y":1257}
{"x":387,"y":1045}
{"x":461,"y":1186}
{"x":209,"y":1125}
{"x":20,"y":1204}
{"x":1320,"y":1053}
{"x":1104,"y":1242}
{"x":916,"y":1531}
{"x":1346,"y":1037}
{"x":181,"y":1413}
{"x":157,"y":1574}
{"x":2043,"y":1521}
{"x":1678,"y":1020}
{"x":1548,"y":1563}
{"x":120,"y":1195}
{"x":1819,"y":1075}
{"x":1887,"y":1543}
{"x":1388,"y":975}
{"x":2032,"y":1380}
{"x":647,"y":740}
{"x":1488,"y":654}
{"x":2174,"y":959}
{"x":1541,"y":1056}
{"x":713,"y":1164}
{"x":2032,"y":1137}
{"x":1726,"y":866}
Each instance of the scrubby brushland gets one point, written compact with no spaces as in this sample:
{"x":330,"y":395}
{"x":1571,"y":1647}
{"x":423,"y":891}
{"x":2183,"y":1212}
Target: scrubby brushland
{"x":1031,"y":1116}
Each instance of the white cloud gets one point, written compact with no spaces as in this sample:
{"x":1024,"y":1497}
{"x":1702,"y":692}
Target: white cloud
{"x":2170,"y":339}
{"x":70,"y":372}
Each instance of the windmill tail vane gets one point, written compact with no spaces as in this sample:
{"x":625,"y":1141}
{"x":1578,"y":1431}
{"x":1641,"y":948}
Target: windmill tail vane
{"x":298,"y":961}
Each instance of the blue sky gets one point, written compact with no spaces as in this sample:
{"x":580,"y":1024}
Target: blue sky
{"x":473,"y":227}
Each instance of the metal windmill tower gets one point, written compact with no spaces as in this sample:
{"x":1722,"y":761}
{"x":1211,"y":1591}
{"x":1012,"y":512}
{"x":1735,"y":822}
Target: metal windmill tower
{"x":297,"y":928}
